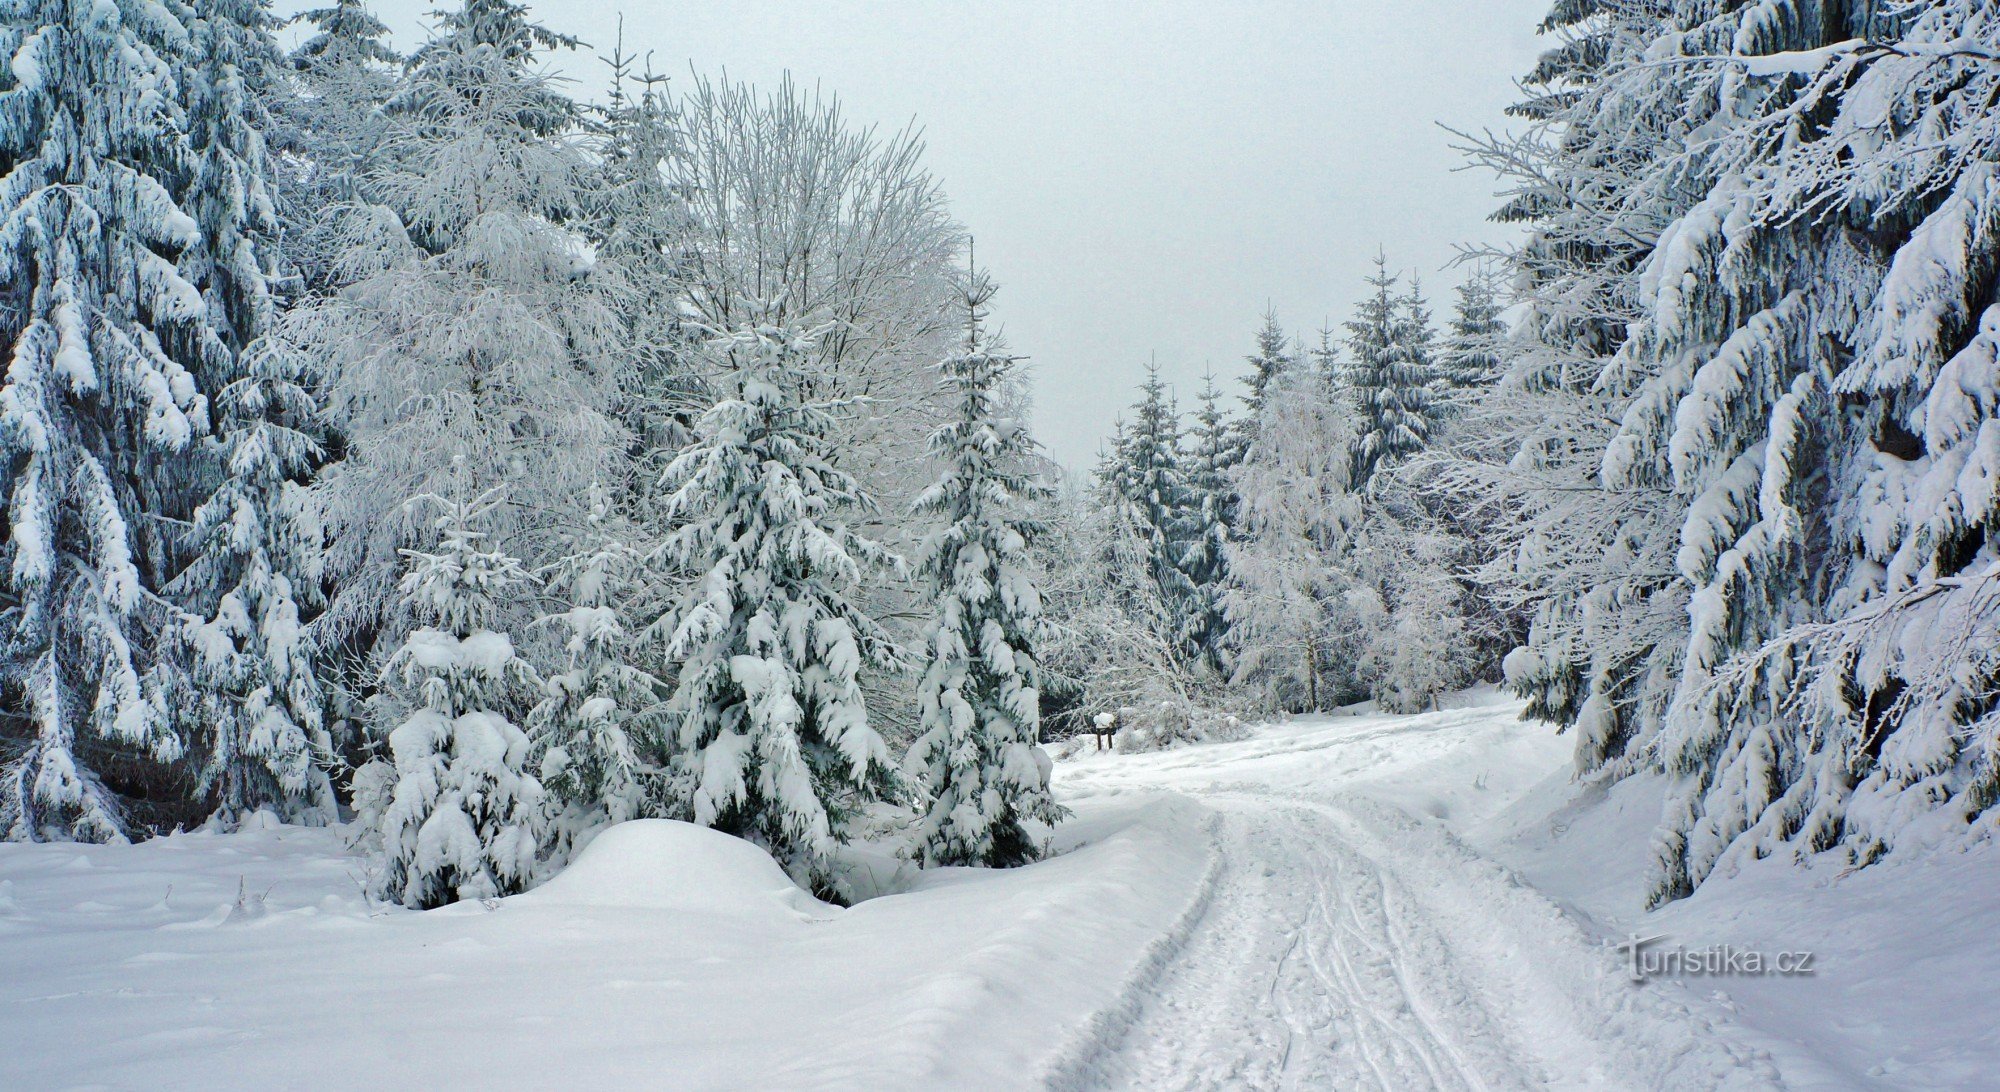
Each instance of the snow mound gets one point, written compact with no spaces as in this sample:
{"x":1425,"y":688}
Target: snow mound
{"x":663,"y":864}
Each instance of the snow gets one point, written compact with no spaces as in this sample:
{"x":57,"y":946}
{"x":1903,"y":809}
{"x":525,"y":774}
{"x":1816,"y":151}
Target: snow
{"x":1416,"y":901}
{"x":660,"y":864}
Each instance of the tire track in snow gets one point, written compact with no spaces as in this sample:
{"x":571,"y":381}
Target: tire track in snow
{"x":1328,"y":948}
{"x":1296,"y":978}
{"x":1074,"y":1065}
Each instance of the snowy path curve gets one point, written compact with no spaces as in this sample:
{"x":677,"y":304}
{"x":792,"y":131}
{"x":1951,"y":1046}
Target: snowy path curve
{"x":1343,"y":942}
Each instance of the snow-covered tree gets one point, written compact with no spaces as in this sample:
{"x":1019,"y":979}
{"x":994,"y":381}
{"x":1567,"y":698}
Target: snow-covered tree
{"x":1156,"y":501}
{"x":1212,"y":509}
{"x":1390,"y":375}
{"x":1765,"y":264}
{"x":1413,"y":640}
{"x":642,"y":226}
{"x":255,"y":710}
{"x":790,"y":206}
{"x":772,"y":737}
{"x":1287,"y":564}
{"x":343,"y":73}
{"x":465,"y":818}
{"x":979,"y":698}
{"x":102,"y":413}
{"x":473,"y":344}
{"x":1469,"y":363}
{"x":598,"y":732}
{"x":1274,"y":353}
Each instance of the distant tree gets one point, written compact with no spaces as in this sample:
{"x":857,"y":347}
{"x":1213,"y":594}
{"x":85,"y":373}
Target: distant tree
{"x":1470,"y":362}
{"x":1389,"y":374}
{"x":1212,"y":513}
{"x":1288,"y":560}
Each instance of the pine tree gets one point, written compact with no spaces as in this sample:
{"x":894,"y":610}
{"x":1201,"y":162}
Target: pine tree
{"x":598,"y":732}
{"x":773,"y":741}
{"x":1470,"y":361}
{"x":1159,"y":503}
{"x":344,"y":72}
{"x":102,"y":406}
{"x":1212,"y":513}
{"x":465,"y":818}
{"x":979,"y":696}
{"x":643,"y":227}
{"x":256,"y":710}
{"x":1390,"y":374}
{"x":1272,"y":356}
{"x":1755,"y":368}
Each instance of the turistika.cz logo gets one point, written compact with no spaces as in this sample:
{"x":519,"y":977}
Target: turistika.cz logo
{"x":1646,"y":958}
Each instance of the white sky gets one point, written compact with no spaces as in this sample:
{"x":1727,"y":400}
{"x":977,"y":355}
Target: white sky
{"x":1141,"y":177}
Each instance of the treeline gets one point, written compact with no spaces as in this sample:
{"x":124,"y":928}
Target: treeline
{"x":398,"y":434}
{"x":1734,"y":466}
{"x":1291,"y":554}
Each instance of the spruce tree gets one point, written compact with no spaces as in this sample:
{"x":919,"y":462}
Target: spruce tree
{"x":474,"y":343}
{"x":344,"y":72}
{"x":772,"y":736}
{"x":103,"y":411}
{"x":255,"y":714}
{"x":1390,"y":374}
{"x":1470,"y":361}
{"x":979,"y":697}
{"x":1212,"y":509}
{"x":1159,"y":502}
{"x":464,"y":820}
{"x":598,"y":732}
{"x":1272,"y":355}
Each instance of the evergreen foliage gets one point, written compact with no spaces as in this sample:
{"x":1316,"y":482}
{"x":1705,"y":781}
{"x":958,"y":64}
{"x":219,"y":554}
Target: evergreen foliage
{"x":974,"y":763}
{"x":464,"y":819}
{"x":772,"y":736}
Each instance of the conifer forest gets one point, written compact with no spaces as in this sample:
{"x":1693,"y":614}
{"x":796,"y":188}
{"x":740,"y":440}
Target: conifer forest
{"x":533,"y":561}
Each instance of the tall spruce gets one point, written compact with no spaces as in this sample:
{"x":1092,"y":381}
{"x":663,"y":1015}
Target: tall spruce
{"x":1212,"y":512}
{"x":1470,"y":361}
{"x":251,"y":581}
{"x":979,"y":696}
{"x":1154,"y":478}
{"x":1764,"y":573}
{"x":103,"y":411}
{"x":1271,"y":357}
{"x":1389,"y":374}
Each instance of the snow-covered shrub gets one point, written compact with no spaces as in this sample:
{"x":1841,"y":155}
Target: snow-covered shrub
{"x":466,"y":818}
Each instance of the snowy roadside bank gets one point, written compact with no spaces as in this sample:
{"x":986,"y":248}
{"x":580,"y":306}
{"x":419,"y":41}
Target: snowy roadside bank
{"x":1904,"y":965}
{"x":134,"y":966}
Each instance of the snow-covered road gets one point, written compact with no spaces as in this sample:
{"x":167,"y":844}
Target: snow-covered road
{"x":1343,"y":942}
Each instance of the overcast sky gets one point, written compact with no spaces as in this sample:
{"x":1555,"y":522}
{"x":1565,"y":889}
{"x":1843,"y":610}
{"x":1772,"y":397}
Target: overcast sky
{"x":1142,"y":178}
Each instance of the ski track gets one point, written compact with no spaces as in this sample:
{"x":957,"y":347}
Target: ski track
{"x":1339,"y":942}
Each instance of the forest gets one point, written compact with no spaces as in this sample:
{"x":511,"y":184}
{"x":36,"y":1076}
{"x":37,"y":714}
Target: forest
{"x":421,"y":442}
